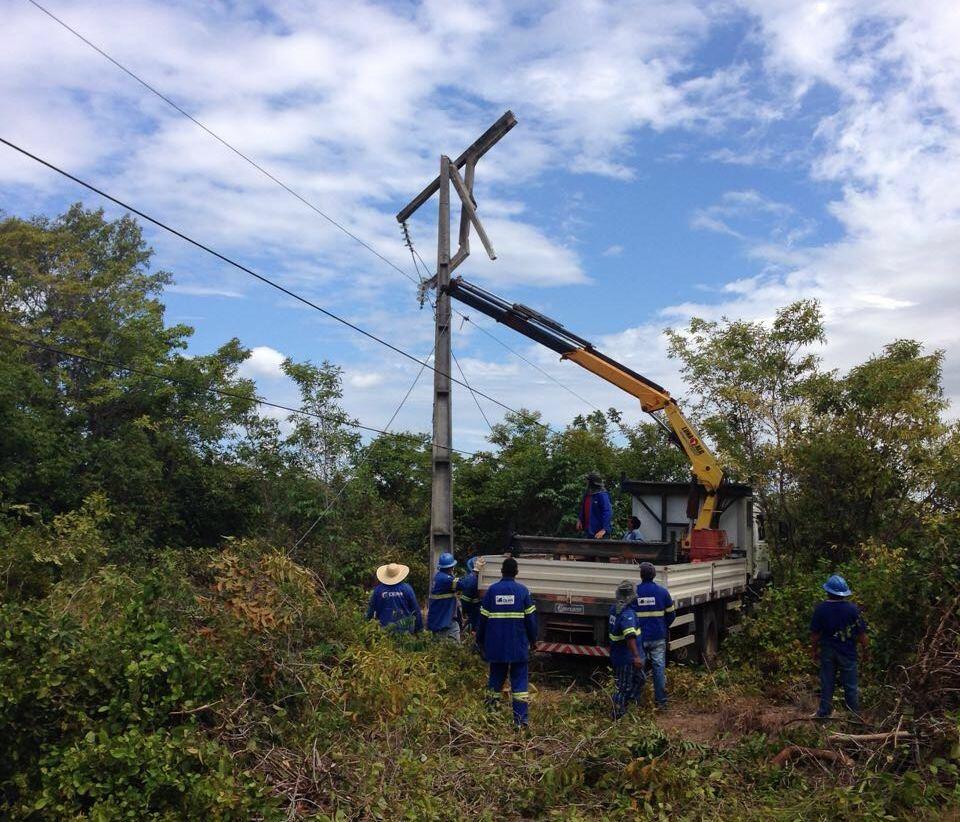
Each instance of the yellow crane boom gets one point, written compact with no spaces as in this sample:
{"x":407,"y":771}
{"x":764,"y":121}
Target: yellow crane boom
{"x":705,"y":538}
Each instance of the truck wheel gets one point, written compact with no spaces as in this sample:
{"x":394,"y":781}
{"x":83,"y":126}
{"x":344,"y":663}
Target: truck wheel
{"x":708,"y":637}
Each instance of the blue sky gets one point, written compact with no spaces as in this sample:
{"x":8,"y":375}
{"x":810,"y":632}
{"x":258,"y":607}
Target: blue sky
{"x":672,"y":159}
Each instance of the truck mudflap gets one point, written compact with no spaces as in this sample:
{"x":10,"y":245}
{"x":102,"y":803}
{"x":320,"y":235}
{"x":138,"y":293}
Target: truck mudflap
{"x":568,"y":648}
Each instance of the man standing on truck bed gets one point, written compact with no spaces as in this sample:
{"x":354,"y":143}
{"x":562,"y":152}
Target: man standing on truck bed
{"x":507,"y":629}
{"x":596,"y":512}
{"x":625,"y":654}
{"x":655,"y":614}
{"x":837,"y":627}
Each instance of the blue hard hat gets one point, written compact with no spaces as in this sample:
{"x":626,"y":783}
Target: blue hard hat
{"x":471,"y":562}
{"x":447,"y":560}
{"x":837,"y":586}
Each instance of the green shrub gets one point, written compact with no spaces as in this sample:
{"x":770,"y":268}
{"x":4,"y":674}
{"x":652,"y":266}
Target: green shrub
{"x":167,"y":774}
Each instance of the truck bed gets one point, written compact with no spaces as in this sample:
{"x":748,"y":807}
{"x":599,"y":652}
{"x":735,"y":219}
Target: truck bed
{"x":573,"y":597}
{"x":596,"y":582}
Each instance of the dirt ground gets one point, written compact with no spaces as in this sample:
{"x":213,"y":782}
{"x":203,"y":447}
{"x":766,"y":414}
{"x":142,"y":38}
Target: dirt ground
{"x":717,"y":725}
{"x":725,"y":725}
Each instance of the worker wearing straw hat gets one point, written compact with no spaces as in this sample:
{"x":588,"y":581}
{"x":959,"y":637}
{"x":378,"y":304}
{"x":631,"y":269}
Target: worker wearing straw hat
{"x":393,"y":601}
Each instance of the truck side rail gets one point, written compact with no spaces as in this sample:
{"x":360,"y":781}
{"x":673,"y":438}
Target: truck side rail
{"x":690,"y":583}
{"x":629,"y":551}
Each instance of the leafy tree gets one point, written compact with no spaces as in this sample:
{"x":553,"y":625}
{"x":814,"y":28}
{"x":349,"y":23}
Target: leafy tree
{"x":752,"y":384}
{"x":499,"y":494}
{"x":866,"y":465}
{"x":158,"y":450}
{"x":534,"y":482}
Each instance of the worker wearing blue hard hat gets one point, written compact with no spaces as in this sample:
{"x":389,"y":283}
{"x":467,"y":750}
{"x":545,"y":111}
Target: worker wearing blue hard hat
{"x":442,"y":607}
{"x":836,"y":629}
{"x":469,"y":593}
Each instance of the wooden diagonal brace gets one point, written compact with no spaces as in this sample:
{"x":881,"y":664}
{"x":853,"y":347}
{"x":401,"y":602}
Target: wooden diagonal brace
{"x":462,"y":253}
{"x":468,"y":174}
{"x":466,"y":199}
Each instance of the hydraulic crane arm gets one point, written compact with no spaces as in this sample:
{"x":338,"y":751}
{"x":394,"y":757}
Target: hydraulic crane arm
{"x":652,"y":397}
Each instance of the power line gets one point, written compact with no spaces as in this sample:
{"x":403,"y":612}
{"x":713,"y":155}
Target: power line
{"x":217,"y":137}
{"x":501,"y":343}
{"x":472,"y":394}
{"x":260,"y":277}
{"x":312,"y":206}
{"x":211,"y":390}
{"x":363,"y":459}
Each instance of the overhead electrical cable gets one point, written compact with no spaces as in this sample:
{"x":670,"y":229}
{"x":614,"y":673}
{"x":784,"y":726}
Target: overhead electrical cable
{"x":312,"y":206}
{"x":501,"y":343}
{"x":217,"y":137}
{"x":266,"y":280}
{"x":218,"y":391}
{"x":472,"y":392}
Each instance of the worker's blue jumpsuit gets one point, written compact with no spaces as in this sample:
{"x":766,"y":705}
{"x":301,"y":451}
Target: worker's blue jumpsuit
{"x":470,"y":598}
{"x":596,"y":513}
{"x":629,"y":679}
{"x":442,"y":609}
{"x":655,"y":614}
{"x":507,"y":629}
{"x":396,"y":608}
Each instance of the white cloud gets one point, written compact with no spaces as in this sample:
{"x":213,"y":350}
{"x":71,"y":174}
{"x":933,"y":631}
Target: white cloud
{"x":263,"y":362}
{"x":893,"y":145}
{"x":351,"y":104}
{"x":365,"y":379}
{"x":525,"y":256}
{"x":204,"y":291}
{"x":753,"y":214}
{"x":612,"y":251}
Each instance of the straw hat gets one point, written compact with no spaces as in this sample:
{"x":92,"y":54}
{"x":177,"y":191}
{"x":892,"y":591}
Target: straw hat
{"x":393,"y":573}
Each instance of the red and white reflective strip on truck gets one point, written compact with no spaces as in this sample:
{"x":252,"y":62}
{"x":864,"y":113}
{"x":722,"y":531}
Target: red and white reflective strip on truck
{"x":569,"y":648}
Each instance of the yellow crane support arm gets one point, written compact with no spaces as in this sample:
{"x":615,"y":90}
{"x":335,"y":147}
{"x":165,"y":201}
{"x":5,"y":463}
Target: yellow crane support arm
{"x":702,"y":461}
{"x":653,"y":398}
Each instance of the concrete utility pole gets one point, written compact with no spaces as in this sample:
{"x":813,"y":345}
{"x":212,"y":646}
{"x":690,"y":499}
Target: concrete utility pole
{"x":441,"y":500}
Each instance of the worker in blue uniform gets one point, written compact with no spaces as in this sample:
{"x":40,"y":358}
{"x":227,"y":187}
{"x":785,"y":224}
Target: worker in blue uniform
{"x":836,"y":629}
{"x":393,"y":602}
{"x":633,"y":533}
{"x":655,"y":614}
{"x":596,"y":511}
{"x":442,"y":607}
{"x":507,"y":629}
{"x":626,"y":655}
{"x":469,"y":593}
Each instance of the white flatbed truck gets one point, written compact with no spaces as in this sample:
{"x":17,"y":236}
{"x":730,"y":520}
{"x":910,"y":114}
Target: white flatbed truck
{"x":573,"y":580}
{"x":712,"y":528}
